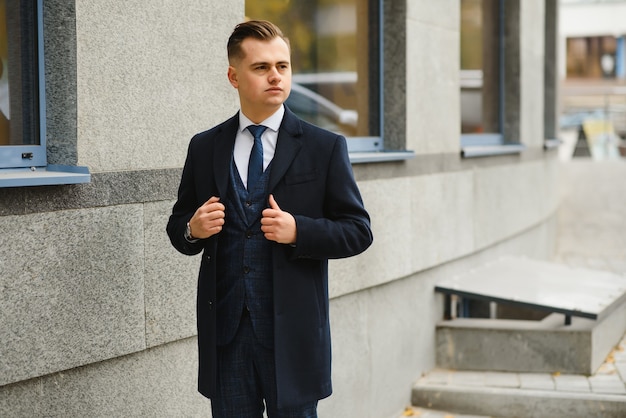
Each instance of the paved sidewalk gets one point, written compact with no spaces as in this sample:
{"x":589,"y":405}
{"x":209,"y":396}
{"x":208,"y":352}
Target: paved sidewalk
{"x":607,"y":383}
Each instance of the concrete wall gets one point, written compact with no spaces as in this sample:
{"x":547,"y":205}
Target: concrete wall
{"x":97,"y":309}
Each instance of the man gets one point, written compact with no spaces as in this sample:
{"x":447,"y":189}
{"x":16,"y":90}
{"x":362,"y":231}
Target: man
{"x":268,"y":199}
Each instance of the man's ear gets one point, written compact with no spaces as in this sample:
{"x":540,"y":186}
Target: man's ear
{"x":232,"y":76}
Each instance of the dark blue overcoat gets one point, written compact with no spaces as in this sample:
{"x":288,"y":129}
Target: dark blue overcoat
{"x":311,"y":178}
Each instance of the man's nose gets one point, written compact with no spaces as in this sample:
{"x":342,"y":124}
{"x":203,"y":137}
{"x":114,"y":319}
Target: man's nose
{"x":274,"y":75}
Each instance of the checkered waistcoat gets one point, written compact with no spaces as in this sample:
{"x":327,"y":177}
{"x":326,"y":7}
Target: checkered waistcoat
{"x":244,"y":263}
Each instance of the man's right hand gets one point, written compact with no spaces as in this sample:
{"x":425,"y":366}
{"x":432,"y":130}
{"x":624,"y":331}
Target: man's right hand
{"x":208,"y":219}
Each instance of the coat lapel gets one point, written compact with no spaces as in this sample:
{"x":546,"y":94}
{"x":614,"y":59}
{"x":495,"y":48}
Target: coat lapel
{"x":224,"y":143}
{"x":287,"y":147}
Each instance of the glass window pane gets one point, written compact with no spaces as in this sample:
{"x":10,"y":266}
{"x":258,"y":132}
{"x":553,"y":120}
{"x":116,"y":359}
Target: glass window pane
{"x":335,"y":60}
{"x":5,"y":111}
{"x":19,"y":103}
{"x":480,"y":67}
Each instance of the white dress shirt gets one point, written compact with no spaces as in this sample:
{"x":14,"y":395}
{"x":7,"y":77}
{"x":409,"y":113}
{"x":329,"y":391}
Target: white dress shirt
{"x":244,"y":142}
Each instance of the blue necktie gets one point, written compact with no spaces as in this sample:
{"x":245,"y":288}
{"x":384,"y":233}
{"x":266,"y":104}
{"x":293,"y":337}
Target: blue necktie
{"x":255,"y":164}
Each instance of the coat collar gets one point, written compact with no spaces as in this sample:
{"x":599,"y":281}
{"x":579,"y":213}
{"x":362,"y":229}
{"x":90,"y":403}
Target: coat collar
{"x":288,"y":144}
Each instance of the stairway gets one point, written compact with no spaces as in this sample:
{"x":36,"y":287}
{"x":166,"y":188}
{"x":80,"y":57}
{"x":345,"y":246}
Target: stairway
{"x":567,"y":364}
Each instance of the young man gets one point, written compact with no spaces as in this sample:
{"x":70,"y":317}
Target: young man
{"x":268,"y":199}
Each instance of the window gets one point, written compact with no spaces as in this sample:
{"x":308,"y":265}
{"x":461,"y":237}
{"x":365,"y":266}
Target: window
{"x":336,"y":60}
{"x":591,"y":57}
{"x":489,"y":103}
{"x":23,"y":159}
{"x":21,"y":141}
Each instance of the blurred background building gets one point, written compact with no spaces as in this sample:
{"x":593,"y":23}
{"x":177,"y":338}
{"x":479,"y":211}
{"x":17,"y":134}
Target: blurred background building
{"x":592,"y":65}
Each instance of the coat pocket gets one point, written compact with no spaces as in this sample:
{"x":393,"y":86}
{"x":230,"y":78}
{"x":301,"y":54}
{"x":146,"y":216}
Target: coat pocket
{"x":297,"y":178}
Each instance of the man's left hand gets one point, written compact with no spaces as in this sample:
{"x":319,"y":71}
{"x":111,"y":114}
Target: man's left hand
{"x":278,"y":225}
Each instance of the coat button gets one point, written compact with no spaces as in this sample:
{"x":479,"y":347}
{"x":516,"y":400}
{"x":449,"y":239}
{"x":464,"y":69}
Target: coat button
{"x":246,"y":269}
{"x":208,"y":257}
{"x":210,"y":305}
{"x":248,"y":234}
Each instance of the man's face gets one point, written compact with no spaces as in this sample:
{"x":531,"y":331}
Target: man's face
{"x":262,"y":77}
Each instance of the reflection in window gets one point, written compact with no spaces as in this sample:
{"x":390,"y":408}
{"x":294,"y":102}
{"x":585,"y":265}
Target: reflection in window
{"x":19,"y":103}
{"x":480,"y":67}
{"x":593,"y":57}
{"x":335,"y":60}
{"x":5,"y":111}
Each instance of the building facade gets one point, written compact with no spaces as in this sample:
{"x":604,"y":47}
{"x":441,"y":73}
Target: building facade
{"x":593,"y":39}
{"x":97,"y":310}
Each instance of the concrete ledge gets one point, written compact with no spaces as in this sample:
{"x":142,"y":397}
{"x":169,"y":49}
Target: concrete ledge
{"x":508,"y":402}
{"x":529,"y":346}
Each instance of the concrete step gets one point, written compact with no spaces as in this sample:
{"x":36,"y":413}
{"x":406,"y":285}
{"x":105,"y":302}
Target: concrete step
{"x":512,"y":394}
{"x":529,"y":346}
{"x":521,"y":395}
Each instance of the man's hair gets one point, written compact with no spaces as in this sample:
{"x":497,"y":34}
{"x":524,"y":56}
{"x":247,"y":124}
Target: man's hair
{"x":257,"y":29}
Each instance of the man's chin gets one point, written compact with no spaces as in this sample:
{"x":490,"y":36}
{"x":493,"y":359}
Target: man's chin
{"x":276,"y":101}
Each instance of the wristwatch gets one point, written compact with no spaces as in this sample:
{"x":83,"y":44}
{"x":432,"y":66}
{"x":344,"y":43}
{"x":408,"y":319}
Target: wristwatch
{"x":188,"y":236}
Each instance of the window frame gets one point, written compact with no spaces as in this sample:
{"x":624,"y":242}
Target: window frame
{"x":26,"y":165}
{"x":372,"y":149}
{"x":30,"y":155}
{"x":367,"y":144}
{"x":494,"y":143}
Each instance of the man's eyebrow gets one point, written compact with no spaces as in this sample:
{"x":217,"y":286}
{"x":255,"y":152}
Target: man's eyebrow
{"x":254,"y":64}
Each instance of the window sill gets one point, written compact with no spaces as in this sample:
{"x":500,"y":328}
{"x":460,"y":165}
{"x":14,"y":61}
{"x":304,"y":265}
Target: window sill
{"x":43,"y":176}
{"x":380,"y":156}
{"x":472,"y":151}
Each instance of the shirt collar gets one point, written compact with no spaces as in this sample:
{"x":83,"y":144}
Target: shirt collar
{"x":273,"y":122}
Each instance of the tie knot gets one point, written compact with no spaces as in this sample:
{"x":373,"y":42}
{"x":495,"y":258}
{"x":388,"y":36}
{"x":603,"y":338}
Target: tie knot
{"x":257,"y":130}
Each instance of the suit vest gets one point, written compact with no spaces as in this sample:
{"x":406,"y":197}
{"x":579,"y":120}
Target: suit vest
{"x":244,"y":263}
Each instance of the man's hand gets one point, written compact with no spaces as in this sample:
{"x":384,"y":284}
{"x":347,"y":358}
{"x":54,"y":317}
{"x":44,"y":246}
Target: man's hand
{"x":208,"y":219}
{"x":278,"y":225}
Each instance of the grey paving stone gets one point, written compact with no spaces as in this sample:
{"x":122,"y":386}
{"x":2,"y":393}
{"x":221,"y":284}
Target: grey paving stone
{"x":465,"y":378}
{"x":501,"y":379}
{"x":607,"y":384}
{"x":537,"y":381}
{"x":437,"y":377}
{"x":572,"y":383}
